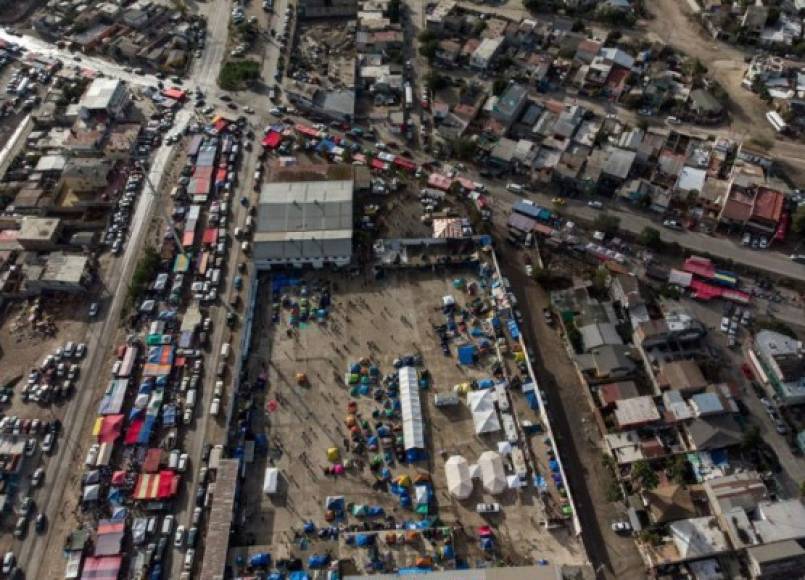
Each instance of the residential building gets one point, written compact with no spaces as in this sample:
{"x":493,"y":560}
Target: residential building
{"x":327,"y":8}
{"x":39,"y":234}
{"x":779,"y":365}
{"x":60,"y":273}
{"x":636,"y":412}
{"x":509,"y":106}
{"x":104,"y":97}
{"x":483,"y":56}
{"x":776,"y":561}
{"x":84,"y":174}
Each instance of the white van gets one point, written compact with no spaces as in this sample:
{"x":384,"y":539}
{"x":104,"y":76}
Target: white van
{"x":173,"y":459}
{"x":92,"y":455}
{"x":216,"y":276}
{"x":215,"y":407}
{"x":270,"y":480}
{"x":249,"y":222}
{"x":219,"y":389}
{"x":167,"y":525}
{"x":190,"y":399}
{"x":225,"y":348}
{"x":514,"y":187}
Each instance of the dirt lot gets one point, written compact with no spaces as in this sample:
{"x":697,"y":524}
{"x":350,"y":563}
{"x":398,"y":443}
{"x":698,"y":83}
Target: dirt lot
{"x":381,"y":321}
{"x":23,"y":347}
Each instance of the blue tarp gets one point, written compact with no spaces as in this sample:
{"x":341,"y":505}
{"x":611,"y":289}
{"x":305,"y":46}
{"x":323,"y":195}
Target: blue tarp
{"x":466,"y":354}
{"x":514,"y":331}
{"x":486,"y":384}
{"x":318,"y":561}
{"x":260,"y":560}
{"x":145,"y":432}
{"x":364,"y":540}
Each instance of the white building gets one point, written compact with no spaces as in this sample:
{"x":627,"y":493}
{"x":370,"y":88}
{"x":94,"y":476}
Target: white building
{"x":304,"y":223}
{"x":104,"y":96}
{"x":486,"y":52}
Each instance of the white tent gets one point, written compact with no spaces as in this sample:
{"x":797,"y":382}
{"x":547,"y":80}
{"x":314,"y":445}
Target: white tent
{"x":271,"y":480}
{"x":504,"y":447}
{"x":492,"y":474}
{"x":482,"y":407}
{"x":457,"y":473}
{"x":413,"y":424}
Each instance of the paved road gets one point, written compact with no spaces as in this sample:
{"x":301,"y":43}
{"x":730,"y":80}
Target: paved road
{"x":71,"y":449}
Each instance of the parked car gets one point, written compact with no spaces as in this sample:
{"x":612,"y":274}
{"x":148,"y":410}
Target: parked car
{"x":621,"y":527}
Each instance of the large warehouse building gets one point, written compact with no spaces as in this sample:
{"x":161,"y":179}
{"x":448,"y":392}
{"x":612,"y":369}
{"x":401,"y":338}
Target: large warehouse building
{"x":304,"y":223}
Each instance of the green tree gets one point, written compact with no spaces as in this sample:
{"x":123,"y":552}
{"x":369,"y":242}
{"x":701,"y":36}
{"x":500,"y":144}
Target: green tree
{"x":607,"y":223}
{"x":463,"y":149}
{"x":650,"y":237}
{"x":428,"y":49}
{"x":751,"y":438}
{"x":499,"y":86}
{"x":435,"y":81}
{"x":799,"y":221}
{"x":395,"y":10}
{"x":645,"y":475}
{"x":679,"y":470}
{"x":600,"y":278}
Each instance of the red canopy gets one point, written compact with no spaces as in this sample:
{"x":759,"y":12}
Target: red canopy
{"x":404,"y":163}
{"x":174,"y":93}
{"x":220,"y":175}
{"x":111,"y":429}
{"x":210,"y":236}
{"x":133,"y":432}
{"x":152,"y":459}
{"x":305,"y":130}
{"x":467,"y":184}
{"x":102,"y":568}
{"x":439,"y":181}
{"x":272,"y":140}
{"x":377,"y":164}
{"x":118,"y":477}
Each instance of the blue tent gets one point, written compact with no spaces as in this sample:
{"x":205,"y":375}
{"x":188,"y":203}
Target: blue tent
{"x":486,"y":384}
{"x":375,"y":511}
{"x":260,"y":560}
{"x":364,"y":540}
{"x":466,"y":354}
{"x":318,"y":561}
{"x":309,"y":528}
{"x":299,"y":575}
{"x":514,"y":331}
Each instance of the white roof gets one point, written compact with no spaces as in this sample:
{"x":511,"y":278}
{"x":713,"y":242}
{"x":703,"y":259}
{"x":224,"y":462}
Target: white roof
{"x":482,"y":407}
{"x":493,"y":475}
{"x":691,"y":179}
{"x":413,"y":424}
{"x":457,"y":473}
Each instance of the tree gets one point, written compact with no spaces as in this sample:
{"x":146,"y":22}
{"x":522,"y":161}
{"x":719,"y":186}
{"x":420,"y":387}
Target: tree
{"x":645,"y":475}
{"x":435,"y":81}
{"x":799,"y":221}
{"x":607,"y":223}
{"x":650,"y":237}
{"x":428,"y":49}
{"x":499,"y":86}
{"x":600,"y":278}
{"x":679,"y":470}
{"x":463,"y":149}
{"x":751,"y":438}
{"x":394,"y":10}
